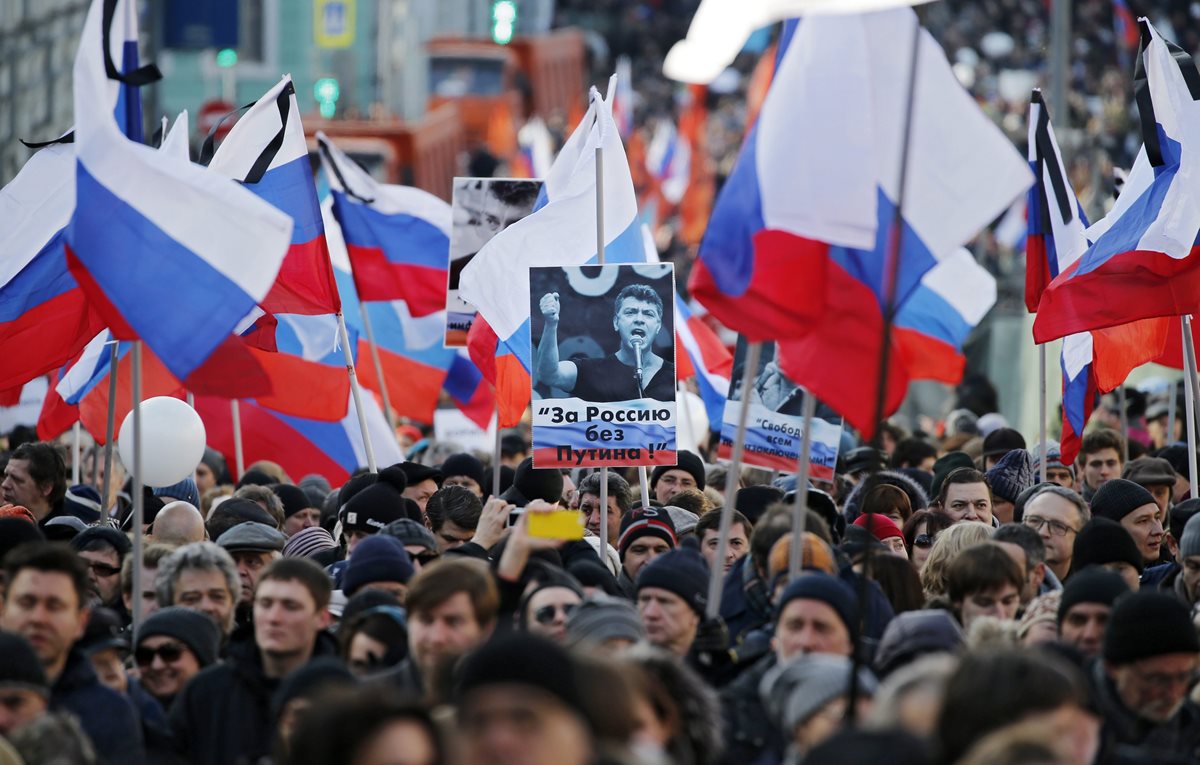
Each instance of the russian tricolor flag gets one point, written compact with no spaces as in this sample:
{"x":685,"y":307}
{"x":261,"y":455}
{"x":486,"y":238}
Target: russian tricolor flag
{"x":267,"y":153}
{"x":301,"y":446}
{"x":167,"y":252}
{"x":798,"y":240}
{"x":560,"y":231}
{"x":816,"y":196}
{"x":706,"y":358}
{"x":45,"y":318}
{"x":397,"y":237}
{"x":1143,"y":260}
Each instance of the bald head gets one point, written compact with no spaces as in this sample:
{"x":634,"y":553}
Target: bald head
{"x":179,"y":523}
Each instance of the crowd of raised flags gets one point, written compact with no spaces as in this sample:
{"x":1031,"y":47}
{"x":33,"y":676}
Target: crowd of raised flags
{"x":113,"y":241}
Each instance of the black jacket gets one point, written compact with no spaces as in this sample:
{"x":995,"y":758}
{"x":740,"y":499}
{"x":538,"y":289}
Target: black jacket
{"x":1127,"y":738}
{"x":223,"y":716}
{"x":749,"y":734}
{"x":107,"y":717}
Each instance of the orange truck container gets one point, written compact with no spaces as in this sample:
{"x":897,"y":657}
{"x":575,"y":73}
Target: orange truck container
{"x":498,"y":87}
{"x":424,"y":154}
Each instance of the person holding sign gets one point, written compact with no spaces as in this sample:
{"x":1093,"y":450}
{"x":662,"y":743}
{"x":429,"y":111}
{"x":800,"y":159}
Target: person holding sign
{"x":635,"y":371}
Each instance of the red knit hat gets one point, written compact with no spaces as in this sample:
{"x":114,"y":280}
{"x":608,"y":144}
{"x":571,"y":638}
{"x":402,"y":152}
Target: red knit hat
{"x":882,"y":526}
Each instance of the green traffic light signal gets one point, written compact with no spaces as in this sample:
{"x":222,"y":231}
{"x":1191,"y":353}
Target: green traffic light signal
{"x":326,"y":91}
{"x":504,"y":21}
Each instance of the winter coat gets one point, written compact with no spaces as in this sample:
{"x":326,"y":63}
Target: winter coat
{"x":745,"y":602}
{"x":223,"y":716}
{"x":1126,"y":737}
{"x":748,"y":732}
{"x":107,"y":717}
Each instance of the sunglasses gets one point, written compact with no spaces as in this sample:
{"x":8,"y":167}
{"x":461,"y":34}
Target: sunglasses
{"x":924,"y":540}
{"x":170,"y":653}
{"x":103,"y":570}
{"x":545,"y":614}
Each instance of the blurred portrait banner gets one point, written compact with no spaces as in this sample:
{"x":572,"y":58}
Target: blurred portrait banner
{"x":603,"y":340}
{"x":481,"y":208}
{"x":775,"y":424}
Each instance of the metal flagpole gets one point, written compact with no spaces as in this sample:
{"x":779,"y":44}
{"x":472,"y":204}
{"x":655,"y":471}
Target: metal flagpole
{"x":356,"y":392}
{"x":604,"y":517}
{"x":496,"y":456}
{"x":1043,"y":448}
{"x":75,"y":453}
{"x":108,"y":428}
{"x":800,"y":508}
{"x":750,"y":368}
{"x":1124,"y":425}
{"x":191,"y":400}
{"x":1189,"y":362}
{"x":383,"y":387}
{"x":1171,"y":406}
{"x":644,"y":480}
{"x":138,"y":499}
{"x":235,"y":411}
{"x":890,"y":275}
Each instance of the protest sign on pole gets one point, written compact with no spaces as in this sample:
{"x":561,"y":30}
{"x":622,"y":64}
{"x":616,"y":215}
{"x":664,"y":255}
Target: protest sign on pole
{"x":482,"y":208}
{"x":603,"y":365}
{"x":775,"y":422}
{"x":451,"y":426}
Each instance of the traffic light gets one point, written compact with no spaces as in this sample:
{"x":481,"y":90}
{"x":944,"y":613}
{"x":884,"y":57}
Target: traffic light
{"x":326,"y":91}
{"x":504,"y":21}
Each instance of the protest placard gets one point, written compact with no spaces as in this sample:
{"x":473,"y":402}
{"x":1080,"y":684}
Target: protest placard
{"x":482,"y":208}
{"x":603,"y":365}
{"x":775,"y":425}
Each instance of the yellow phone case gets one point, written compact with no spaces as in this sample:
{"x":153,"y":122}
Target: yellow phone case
{"x":559,"y":524}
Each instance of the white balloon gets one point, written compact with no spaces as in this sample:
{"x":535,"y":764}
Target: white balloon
{"x":173,"y":440}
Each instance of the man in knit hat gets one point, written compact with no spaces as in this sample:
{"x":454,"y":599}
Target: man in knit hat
{"x":607,"y":624}
{"x":379,"y":563}
{"x":671,"y":596}
{"x":1186,"y":583}
{"x":418,"y":542}
{"x":1086,"y":605}
{"x":172,"y":646}
{"x":999,"y":443}
{"x":103,"y":550}
{"x":646,"y":533}
{"x":299,"y":511}
{"x":1156,"y":476}
{"x":687,"y":473}
{"x":374,"y":507}
{"x":463,"y":470}
{"x":1134,"y":508}
{"x":24,"y":692}
{"x":1107,"y":544}
{"x":1011,"y":475}
{"x":1056,"y":471}
{"x":1150,"y":658}
{"x":520,"y":699}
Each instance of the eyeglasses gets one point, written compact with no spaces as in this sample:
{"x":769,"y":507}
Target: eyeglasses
{"x":1057,"y":528}
{"x":924,"y":540}
{"x":545,"y":614}
{"x":170,"y":653}
{"x":103,"y":570}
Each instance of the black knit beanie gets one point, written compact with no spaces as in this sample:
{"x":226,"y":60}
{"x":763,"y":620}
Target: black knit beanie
{"x":1092,"y":585}
{"x":195,"y":630}
{"x":1117,"y":498}
{"x":1103,"y":541}
{"x":378,"y":504}
{"x":682,"y":572}
{"x":465,"y":465}
{"x":293,"y":498}
{"x":20,"y":666}
{"x":685,"y":461}
{"x":520,"y":658}
{"x":1149,"y":623}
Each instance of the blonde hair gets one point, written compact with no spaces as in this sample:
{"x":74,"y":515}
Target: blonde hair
{"x":946,"y":548}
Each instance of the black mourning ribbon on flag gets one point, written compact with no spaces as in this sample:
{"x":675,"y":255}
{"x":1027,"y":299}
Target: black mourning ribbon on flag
{"x":143,"y":75}
{"x":68,"y":137}
{"x":1048,"y":160}
{"x":332,"y":163}
{"x":1141,"y":90}
{"x":259,"y":168}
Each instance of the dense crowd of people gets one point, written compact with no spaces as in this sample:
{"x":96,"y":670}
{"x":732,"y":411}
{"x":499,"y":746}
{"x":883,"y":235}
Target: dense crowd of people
{"x":951,"y":608}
